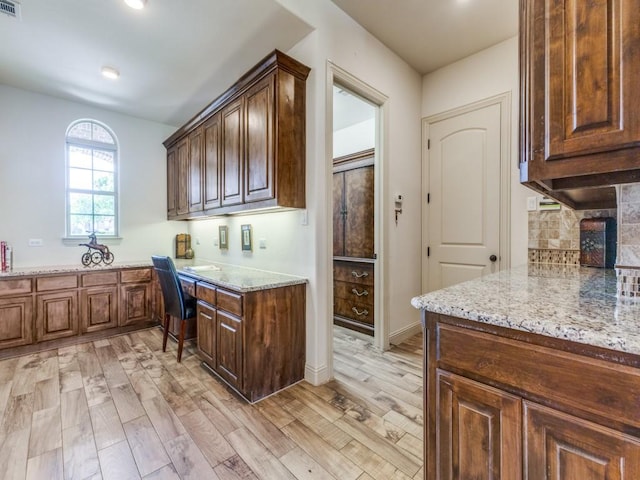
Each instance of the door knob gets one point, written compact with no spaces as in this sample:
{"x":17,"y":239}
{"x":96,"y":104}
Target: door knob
{"x":493,"y":258}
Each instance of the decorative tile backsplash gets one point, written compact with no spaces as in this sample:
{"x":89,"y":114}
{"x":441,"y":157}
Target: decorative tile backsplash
{"x":554,"y":235}
{"x":629,"y":225}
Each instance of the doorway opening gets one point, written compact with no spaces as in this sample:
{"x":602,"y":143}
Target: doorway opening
{"x":355,"y":160}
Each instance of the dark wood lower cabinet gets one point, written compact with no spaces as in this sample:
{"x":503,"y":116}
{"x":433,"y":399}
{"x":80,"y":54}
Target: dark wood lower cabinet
{"x":229,"y":348}
{"x":563,"y":447}
{"x":478,"y":432}
{"x":135,"y":303}
{"x":57,"y":307}
{"x":507,"y":405}
{"x":16,"y":321}
{"x":99,"y":308}
{"x":206,"y":332}
{"x":254,"y":341}
{"x":57,"y":315}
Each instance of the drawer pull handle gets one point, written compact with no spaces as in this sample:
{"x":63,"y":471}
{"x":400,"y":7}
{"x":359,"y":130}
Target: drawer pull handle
{"x":360,"y":314}
{"x":208,"y":317}
{"x":360,"y":294}
{"x":359,"y":275}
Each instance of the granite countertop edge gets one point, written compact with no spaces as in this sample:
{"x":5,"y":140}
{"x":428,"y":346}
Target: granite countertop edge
{"x":572,"y":303}
{"x":234,"y":277}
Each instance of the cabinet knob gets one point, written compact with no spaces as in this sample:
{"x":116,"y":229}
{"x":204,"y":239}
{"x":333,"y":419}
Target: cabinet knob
{"x":493,"y":258}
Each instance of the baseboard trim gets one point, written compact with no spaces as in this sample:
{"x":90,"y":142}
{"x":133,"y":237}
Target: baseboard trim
{"x":405,"y":333}
{"x":316,"y":376}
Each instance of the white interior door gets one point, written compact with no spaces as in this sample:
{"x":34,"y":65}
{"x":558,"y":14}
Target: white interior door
{"x":464,"y":178}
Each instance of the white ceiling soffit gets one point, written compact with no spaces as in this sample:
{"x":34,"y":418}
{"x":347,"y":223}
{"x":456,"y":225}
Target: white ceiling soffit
{"x":174,"y":57}
{"x":429,"y":34}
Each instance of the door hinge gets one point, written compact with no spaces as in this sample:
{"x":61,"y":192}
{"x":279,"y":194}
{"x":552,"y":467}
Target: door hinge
{"x":428,"y":251}
{"x":428,"y":198}
{"x":428,"y":144}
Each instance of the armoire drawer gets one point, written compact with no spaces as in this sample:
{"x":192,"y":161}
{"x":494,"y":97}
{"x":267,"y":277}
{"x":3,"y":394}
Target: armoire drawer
{"x":353,"y":292}
{"x":355,"y":272}
{"x":353,"y":310}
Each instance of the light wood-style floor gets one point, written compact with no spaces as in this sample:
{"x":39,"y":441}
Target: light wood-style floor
{"x":121,"y":409}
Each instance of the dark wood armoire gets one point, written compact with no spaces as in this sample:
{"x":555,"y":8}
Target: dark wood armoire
{"x":353,"y":241}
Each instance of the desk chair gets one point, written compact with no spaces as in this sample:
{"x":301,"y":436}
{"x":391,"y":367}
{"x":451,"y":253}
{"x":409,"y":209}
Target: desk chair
{"x":177,"y":303}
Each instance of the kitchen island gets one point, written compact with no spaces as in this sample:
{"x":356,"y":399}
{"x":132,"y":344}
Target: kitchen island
{"x":532,"y":373}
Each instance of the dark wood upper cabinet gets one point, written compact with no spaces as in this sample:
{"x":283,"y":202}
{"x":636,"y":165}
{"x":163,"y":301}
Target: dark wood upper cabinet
{"x":580,"y":128}
{"x":232,"y":153}
{"x":172,"y":182}
{"x":211,"y":162}
{"x":195,"y":171}
{"x":259,"y":137}
{"x":252,"y":152}
{"x":182,"y":177}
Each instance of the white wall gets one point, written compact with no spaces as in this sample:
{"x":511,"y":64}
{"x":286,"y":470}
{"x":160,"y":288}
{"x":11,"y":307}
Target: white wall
{"x":307,"y":250}
{"x":488,"y":73}
{"x":354,"y":138}
{"x":32,"y":180}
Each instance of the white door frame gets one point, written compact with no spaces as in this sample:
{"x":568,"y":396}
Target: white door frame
{"x":504,"y":101}
{"x":335,"y":74}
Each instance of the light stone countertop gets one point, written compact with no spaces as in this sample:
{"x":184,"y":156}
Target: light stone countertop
{"x":566,"y":302}
{"x":237,"y":278}
{"x":79,"y":268}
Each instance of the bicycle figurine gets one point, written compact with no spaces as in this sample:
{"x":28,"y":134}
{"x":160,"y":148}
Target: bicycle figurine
{"x":96,"y":252}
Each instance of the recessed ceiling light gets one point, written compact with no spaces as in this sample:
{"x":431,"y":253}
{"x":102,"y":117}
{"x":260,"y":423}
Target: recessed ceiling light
{"x":137,"y":4}
{"x":110,"y":72}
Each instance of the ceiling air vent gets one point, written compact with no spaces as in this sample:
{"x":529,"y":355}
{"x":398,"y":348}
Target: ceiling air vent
{"x":10,"y":8}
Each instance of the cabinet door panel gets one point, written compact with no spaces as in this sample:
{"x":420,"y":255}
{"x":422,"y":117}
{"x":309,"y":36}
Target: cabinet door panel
{"x":560,"y":447}
{"x":229,"y":348}
{"x":182,"y":185}
{"x":195,"y":171}
{"x":57,"y":315}
{"x":172,"y":182}
{"x":478,"y":434}
{"x":232,"y":148}
{"x":99,"y":308}
{"x":16,"y":325}
{"x":259,"y":174}
{"x":586,"y":79}
{"x":207,"y":332}
{"x":135,"y":303}
{"x":212,"y":150}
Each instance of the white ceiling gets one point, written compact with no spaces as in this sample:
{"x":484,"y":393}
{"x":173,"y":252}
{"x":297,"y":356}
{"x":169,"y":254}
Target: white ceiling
{"x":429,"y":34}
{"x":176,"y":56}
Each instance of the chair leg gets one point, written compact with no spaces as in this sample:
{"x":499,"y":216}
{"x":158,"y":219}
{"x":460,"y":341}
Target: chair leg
{"x":167,"y":319}
{"x":183,"y":324}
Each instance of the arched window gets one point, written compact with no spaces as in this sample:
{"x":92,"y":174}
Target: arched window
{"x":92,"y":180}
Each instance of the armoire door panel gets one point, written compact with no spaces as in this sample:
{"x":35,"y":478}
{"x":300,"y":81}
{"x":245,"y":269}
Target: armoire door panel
{"x":195,"y":171}
{"x":338,"y":214}
{"x":359,"y":217}
{"x":182,"y":186}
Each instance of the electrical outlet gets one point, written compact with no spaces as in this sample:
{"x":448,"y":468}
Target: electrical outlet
{"x":197,"y":240}
{"x":304,"y":217}
{"x":262,"y":243}
{"x":215,"y":242}
{"x":36,"y":242}
{"x":532,"y":204}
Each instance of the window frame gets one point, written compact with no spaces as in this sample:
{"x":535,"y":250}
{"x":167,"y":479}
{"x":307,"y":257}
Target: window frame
{"x":97,"y":145}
